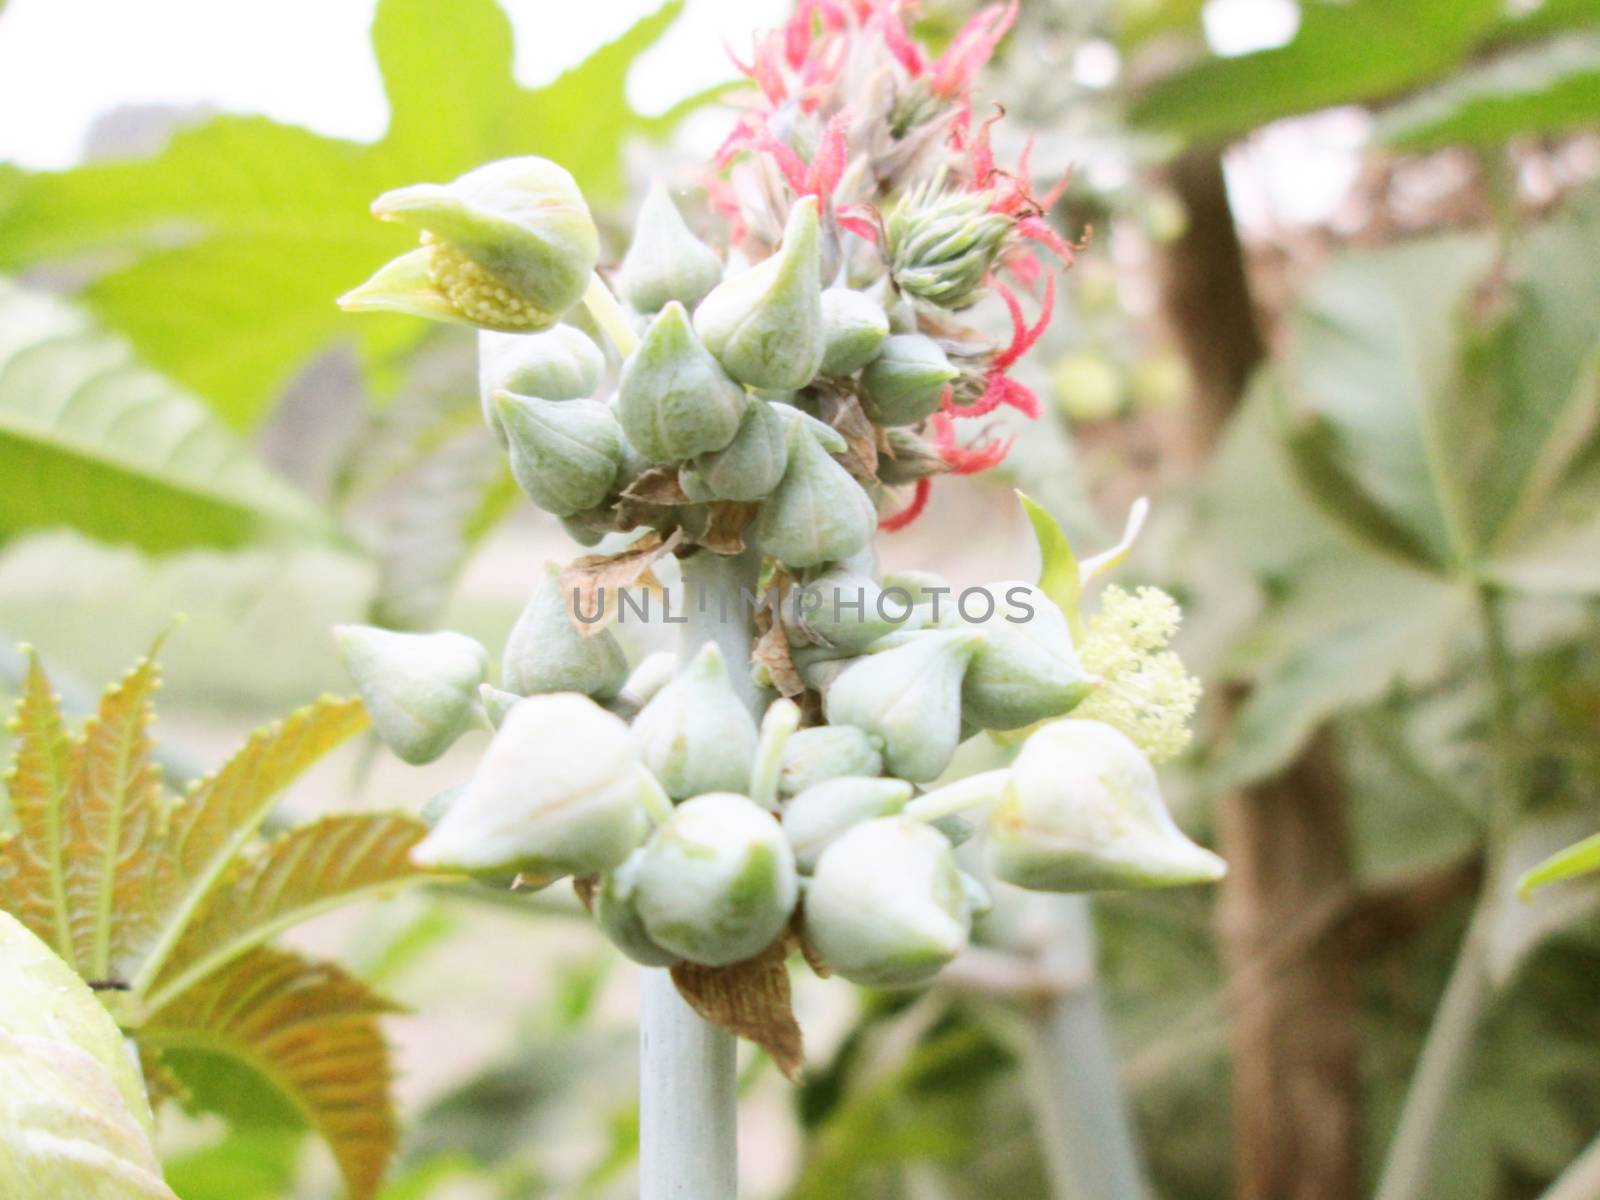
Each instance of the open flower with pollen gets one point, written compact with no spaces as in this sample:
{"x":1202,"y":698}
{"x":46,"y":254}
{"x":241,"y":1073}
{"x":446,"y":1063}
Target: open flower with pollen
{"x":509,"y":246}
{"x":1144,"y":690}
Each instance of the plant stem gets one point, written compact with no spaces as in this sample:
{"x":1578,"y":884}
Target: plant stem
{"x":963,"y":794}
{"x":610,"y":316}
{"x":1077,"y":1101}
{"x":1408,"y":1169}
{"x":1581,"y":1180}
{"x":688,"y":1112}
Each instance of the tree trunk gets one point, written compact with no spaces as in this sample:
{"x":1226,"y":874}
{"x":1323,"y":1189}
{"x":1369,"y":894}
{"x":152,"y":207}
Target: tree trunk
{"x":1297,"y":1095}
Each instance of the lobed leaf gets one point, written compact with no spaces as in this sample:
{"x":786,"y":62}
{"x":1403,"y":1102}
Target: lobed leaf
{"x":113,"y":815}
{"x":94,"y":440}
{"x":309,"y":1030}
{"x":74,"y":1121}
{"x":32,"y":869}
{"x":306,"y":872}
{"x":222,"y":812}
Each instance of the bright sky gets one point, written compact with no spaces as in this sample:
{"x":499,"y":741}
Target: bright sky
{"x":307,"y":62}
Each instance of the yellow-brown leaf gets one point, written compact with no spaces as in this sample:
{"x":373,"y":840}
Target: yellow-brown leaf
{"x":113,"y":818}
{"x":306,"y":872}
{"x":312,"y":1031}
{"x":212,"y":825}
{"x":750,"y":999}
{"x":32,"y":874}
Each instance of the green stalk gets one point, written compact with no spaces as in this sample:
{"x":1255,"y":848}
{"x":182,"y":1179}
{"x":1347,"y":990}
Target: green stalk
{"x":1408,"y":1169}
{"x":688,"y":1116}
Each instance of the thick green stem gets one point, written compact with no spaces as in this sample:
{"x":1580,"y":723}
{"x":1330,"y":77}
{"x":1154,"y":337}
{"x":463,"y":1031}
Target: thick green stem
{"x":1083,"y":1122}
{"x":688,"y":1112}
{"x":1409,"y":1168}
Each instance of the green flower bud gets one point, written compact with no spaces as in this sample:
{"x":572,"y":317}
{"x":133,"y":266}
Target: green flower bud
{"x":564,"y":453}
{"x":853,"y":327}
{"x":496,"y":703}
{"x":546,"y":652}
{"x":817,"y":514}
{"x":907,"y":458}
{"x":910,"y":696}
{"x":717,"y":882}
{"x":820,"y":814}
{"x":1083,"y":812}
{"x":904,"y":384}
{"x":1027,"y":669}
{"x":419,"y":688}
{"x":886,"y":906}
{"x":618,"y":916}
{"x":696,"y":735}
{"x":765,"y":325}
{"x":825,"y":752}
{"x":674,"y":401}
{"x":665,"y":261}
{"x":943,"y":244}
{"x":558,"y":792}
{"x":508,"y":246}
{"x":846,"y":612}
{"x":751,"y":465}
{"x":562,"y":363}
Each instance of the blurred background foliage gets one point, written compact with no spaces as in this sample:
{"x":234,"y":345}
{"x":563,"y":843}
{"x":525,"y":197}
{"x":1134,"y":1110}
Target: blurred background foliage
{"x":1366,"y":397}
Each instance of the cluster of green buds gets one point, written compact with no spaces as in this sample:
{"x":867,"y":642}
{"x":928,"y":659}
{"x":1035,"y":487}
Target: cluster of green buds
{"x":756,"y":409}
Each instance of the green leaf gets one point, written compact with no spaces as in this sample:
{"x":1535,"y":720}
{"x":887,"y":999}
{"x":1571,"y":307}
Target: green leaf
{"x":1580,"y":859}
{"x":32,"y":869}
{"x":74,"y":1122}
{"x":312,"y":869}
{"x":312,"y":1032}
{"x":227,"y":249}
{"x":1545,"y":88}
{"x":1343,"y":53}
{"x":209,"y":830}
{"x":93,"y":440}
{"x":1059,"y":577}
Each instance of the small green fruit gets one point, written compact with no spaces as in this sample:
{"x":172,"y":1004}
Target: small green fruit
{"x":854,"y":326}
{"x":717,"y":882}
{"x":818,"y":513}
{"x":564,"y":454}
{"x":547,"y":653}
{"x":905,"y":383}
{"x":751,"y":465}
{"x":561,"y":363}
{"x":824,"y":752}
{"x":1027,"y":669}
{"x":618,"y":916}
{"x":558,"y":792}
{"x":665,"y":261}
{"x":820,"y":814}
{"x":1083,"y":812}
{"x":673,"y":400}
{"x":764,"y":325}
{"x":421,"y":689}
{"x":886,"y":906}
{"x":695,"y":734}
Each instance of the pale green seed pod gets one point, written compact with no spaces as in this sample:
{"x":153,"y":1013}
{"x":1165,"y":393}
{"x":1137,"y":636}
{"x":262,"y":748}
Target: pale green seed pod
{"x":1083,"y":812}
{"x":717,"y":883}
{"x":564,"y":454}
{"x":817,"y":514}
{"x":910,"y":696}
{"x":765,"y":325}
{"x":665,"y":261}
{"x":854,"y":326}
{"x":886,"y":906}
{"x":825,"y":752}
{"x":847,"y":612}
{"x":1027,"y":670}
{"x":815,"y":818}
{"x":695,"y":734}
{"x":751,"y":465}
{"x":618,"y":916}
{"x":673,"y":400}
{"x":558,"y":792}
{"x":496,"y":703}
{"x":420,"y":689}
{"x":562,"y":363}
{"x":508,"y":246}
{"x":904,"y":384}
{"x":547,"y":653}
